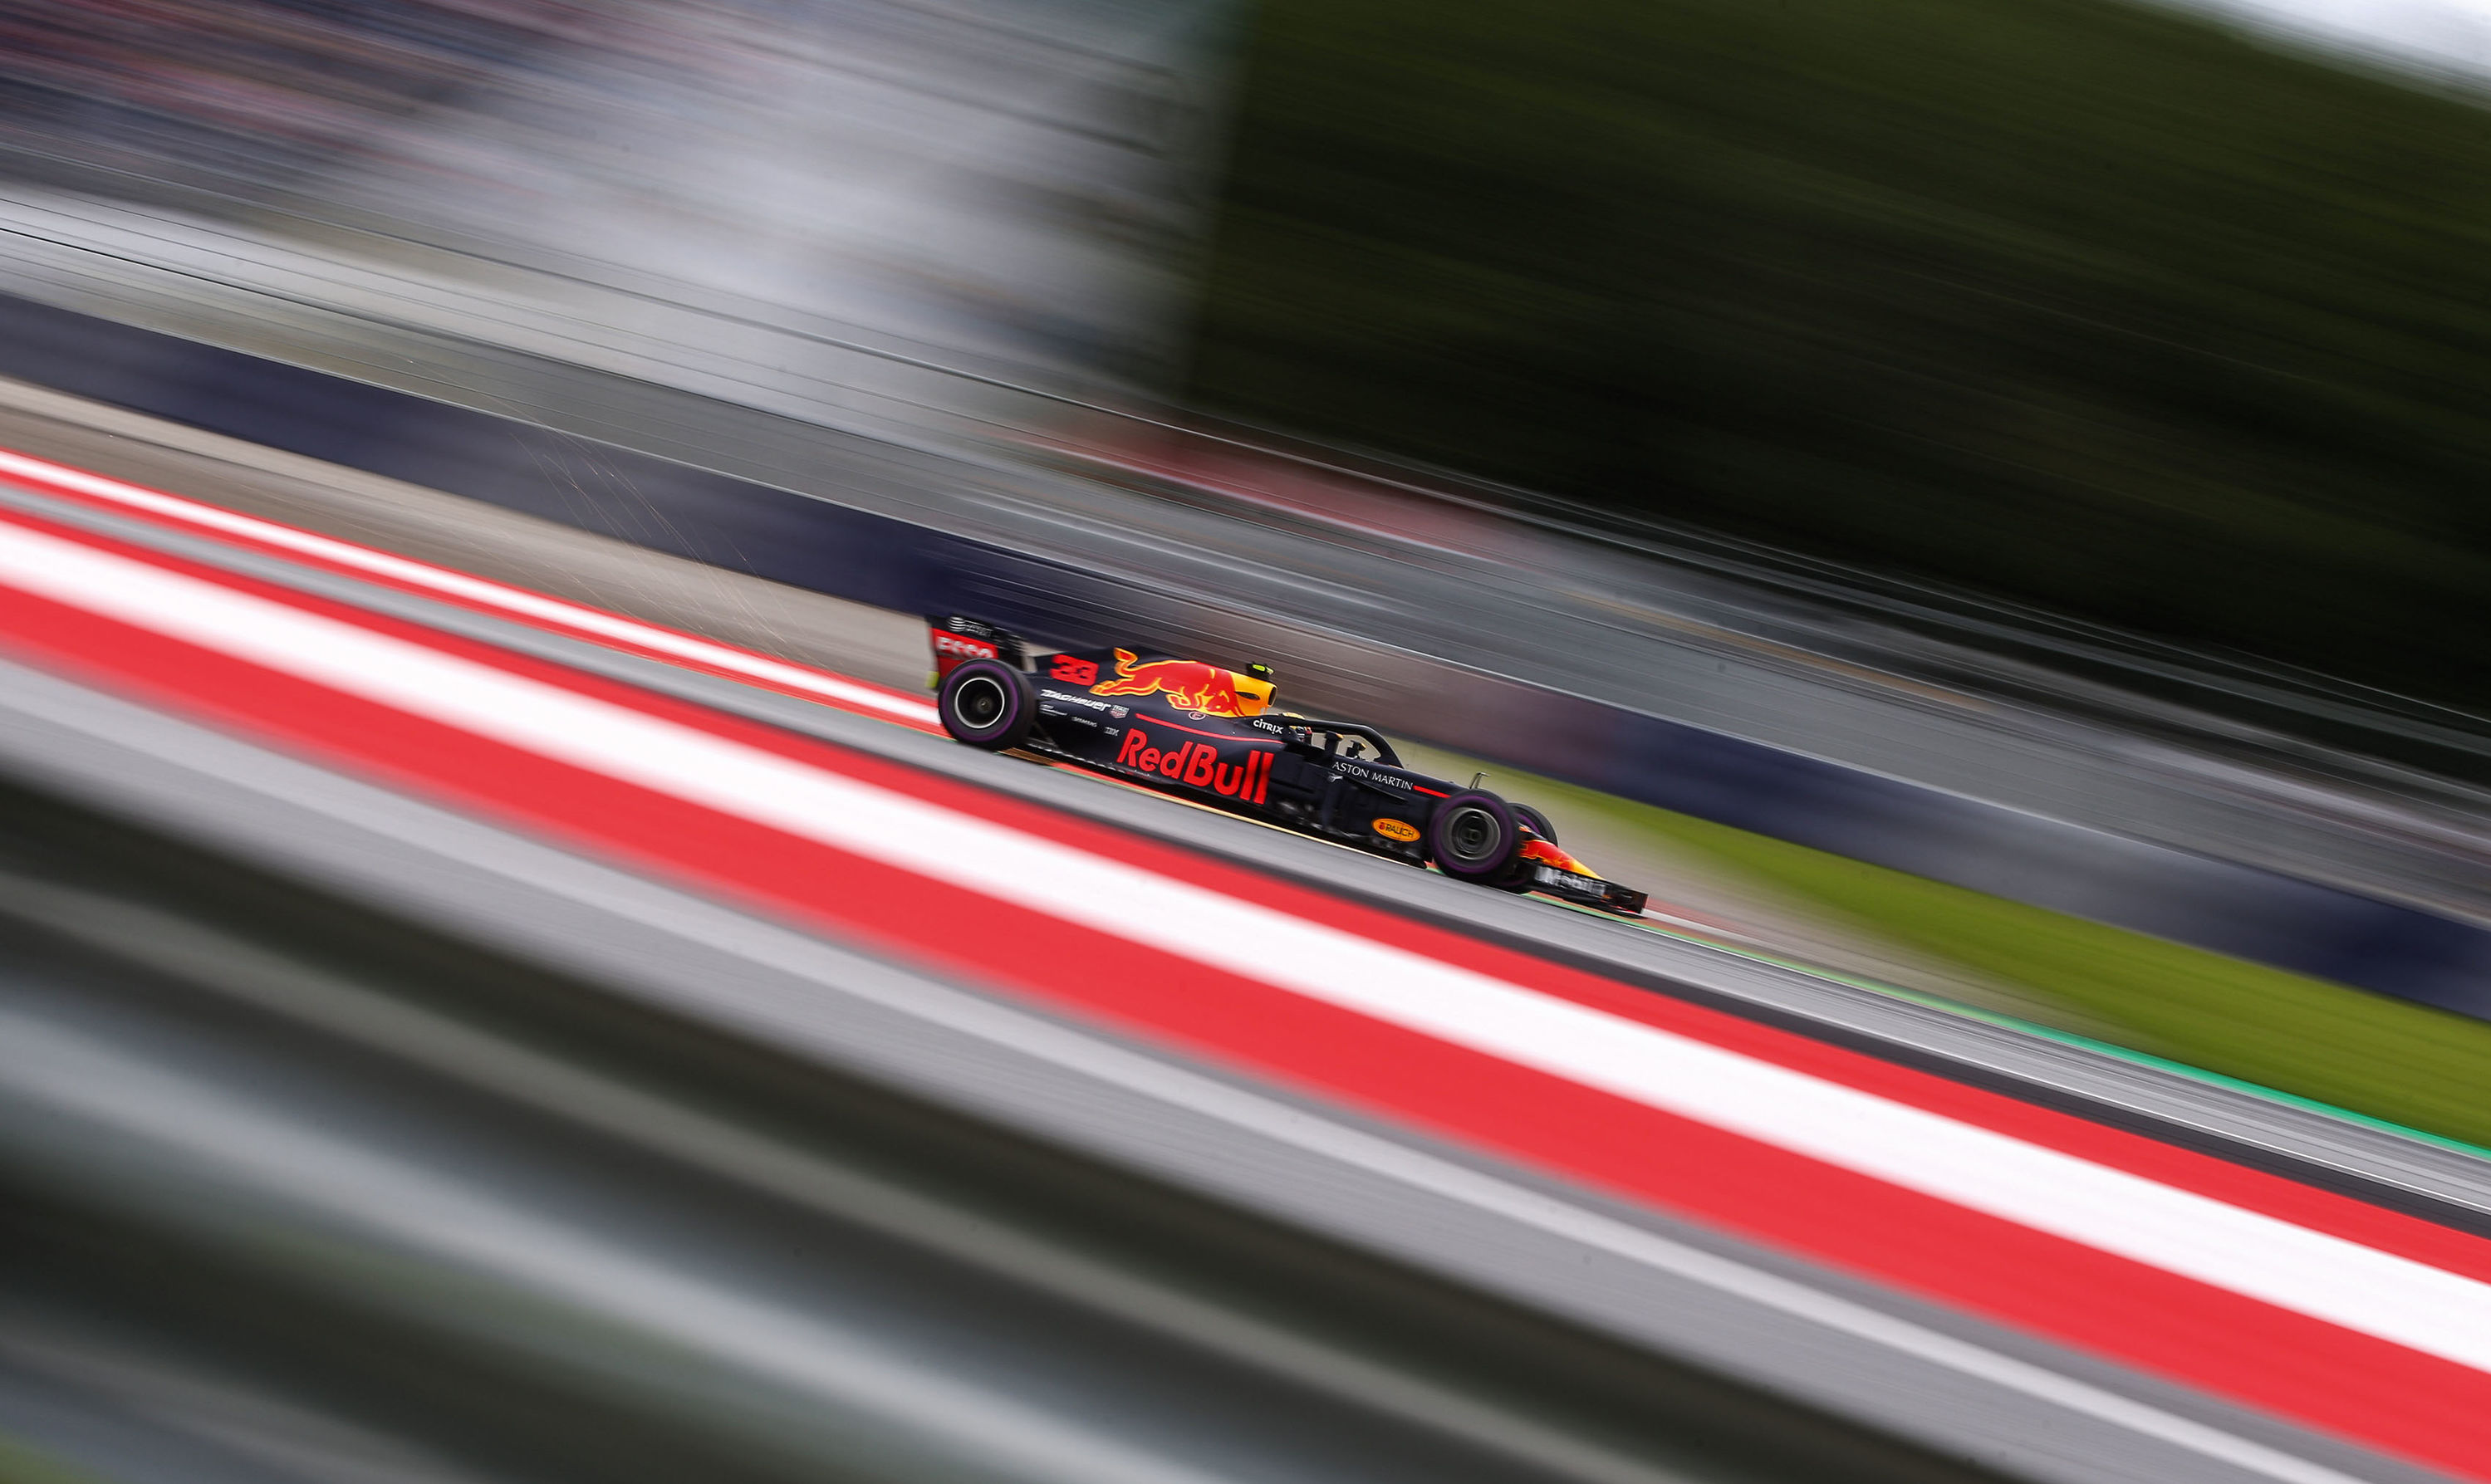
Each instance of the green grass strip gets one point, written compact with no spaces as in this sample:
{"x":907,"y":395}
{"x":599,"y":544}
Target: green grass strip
{"x":2343,"y":1051}
{"x":20,"y":1464}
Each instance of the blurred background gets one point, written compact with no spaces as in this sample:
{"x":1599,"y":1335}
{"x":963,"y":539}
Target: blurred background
{"x":735,"y":198}
{"x":1978,"y":499}
{"x":2140,"y":314}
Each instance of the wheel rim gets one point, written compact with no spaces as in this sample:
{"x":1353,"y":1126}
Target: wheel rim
{"x":980,"y":703}
{"x":1473,"y":834}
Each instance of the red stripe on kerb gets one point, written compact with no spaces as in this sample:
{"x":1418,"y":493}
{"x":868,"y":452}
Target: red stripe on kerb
{"x":2260,"y":1354}
{"x":2303,"y":1205}
{"x":63,"y":485}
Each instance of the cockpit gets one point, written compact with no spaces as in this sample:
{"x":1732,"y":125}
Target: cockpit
{"x":1346,"y":739}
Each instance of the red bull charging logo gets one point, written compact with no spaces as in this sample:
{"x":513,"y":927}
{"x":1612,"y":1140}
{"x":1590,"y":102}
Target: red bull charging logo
{"x":1190,"y":685}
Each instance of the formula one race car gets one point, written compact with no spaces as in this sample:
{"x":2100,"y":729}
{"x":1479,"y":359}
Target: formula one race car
{"x":1211,"y":734}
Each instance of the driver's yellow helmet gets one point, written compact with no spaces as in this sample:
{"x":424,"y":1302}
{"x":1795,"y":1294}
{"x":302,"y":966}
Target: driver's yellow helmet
{"x":1254,"y":692}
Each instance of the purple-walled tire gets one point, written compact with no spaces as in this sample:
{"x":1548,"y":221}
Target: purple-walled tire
{"x":1475,"y":836}
{"x":988,"y":704}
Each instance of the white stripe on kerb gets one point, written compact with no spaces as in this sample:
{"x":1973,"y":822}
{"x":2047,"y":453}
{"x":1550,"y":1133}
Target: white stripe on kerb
{"x":2245,"y":1252}
{"x":510,"y":599}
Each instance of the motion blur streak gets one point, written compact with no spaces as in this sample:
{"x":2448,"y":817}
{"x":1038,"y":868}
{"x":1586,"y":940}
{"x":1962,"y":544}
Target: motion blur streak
{"x":237,"y":970}
{"x":505,"y":978}
{"x":1247,"y":1349}
{"x":429,"y":1213}
{"x":2373,"y":1286}
{"x":495,"y":596}
{"x":408,"y":1208}
{"x":2381,"y":1295}
{"x":2342,"y":1282}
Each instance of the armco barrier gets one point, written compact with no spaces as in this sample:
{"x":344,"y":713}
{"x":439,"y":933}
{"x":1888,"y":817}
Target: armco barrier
{"x":815,"y":543}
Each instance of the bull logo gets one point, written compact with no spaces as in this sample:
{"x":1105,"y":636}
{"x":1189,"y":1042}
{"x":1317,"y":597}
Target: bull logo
{"x":1190,"y":685}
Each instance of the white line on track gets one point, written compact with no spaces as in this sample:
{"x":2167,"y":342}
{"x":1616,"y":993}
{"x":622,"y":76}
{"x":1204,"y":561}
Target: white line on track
{"x":2245,"y":1252}
{"x":179,"y":746}
{"x":578,"y":617}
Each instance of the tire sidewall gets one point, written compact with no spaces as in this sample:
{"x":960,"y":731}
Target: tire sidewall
{"x":1490,"y":868}
{"x":1011,"y":726}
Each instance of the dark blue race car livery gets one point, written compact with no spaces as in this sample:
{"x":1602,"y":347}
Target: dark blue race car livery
{"x":1212,"y":736}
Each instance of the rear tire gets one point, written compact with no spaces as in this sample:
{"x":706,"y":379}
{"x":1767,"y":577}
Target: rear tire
{"x":1475,"y":837}
{"x":988,"y":704}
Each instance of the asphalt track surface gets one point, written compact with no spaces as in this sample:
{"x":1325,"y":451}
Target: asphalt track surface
{"x":2044,"y":1258}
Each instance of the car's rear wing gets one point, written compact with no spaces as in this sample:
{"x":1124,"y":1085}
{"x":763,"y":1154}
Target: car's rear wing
{"x":956,"y":638}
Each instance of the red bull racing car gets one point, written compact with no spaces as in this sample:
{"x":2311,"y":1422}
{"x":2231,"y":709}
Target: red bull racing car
{"x":1211,"y":734}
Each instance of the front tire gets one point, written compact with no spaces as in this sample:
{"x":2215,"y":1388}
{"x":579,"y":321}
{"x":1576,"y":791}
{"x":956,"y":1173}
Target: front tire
{"x":988,"y":704}
{"x":1475,"y":836}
